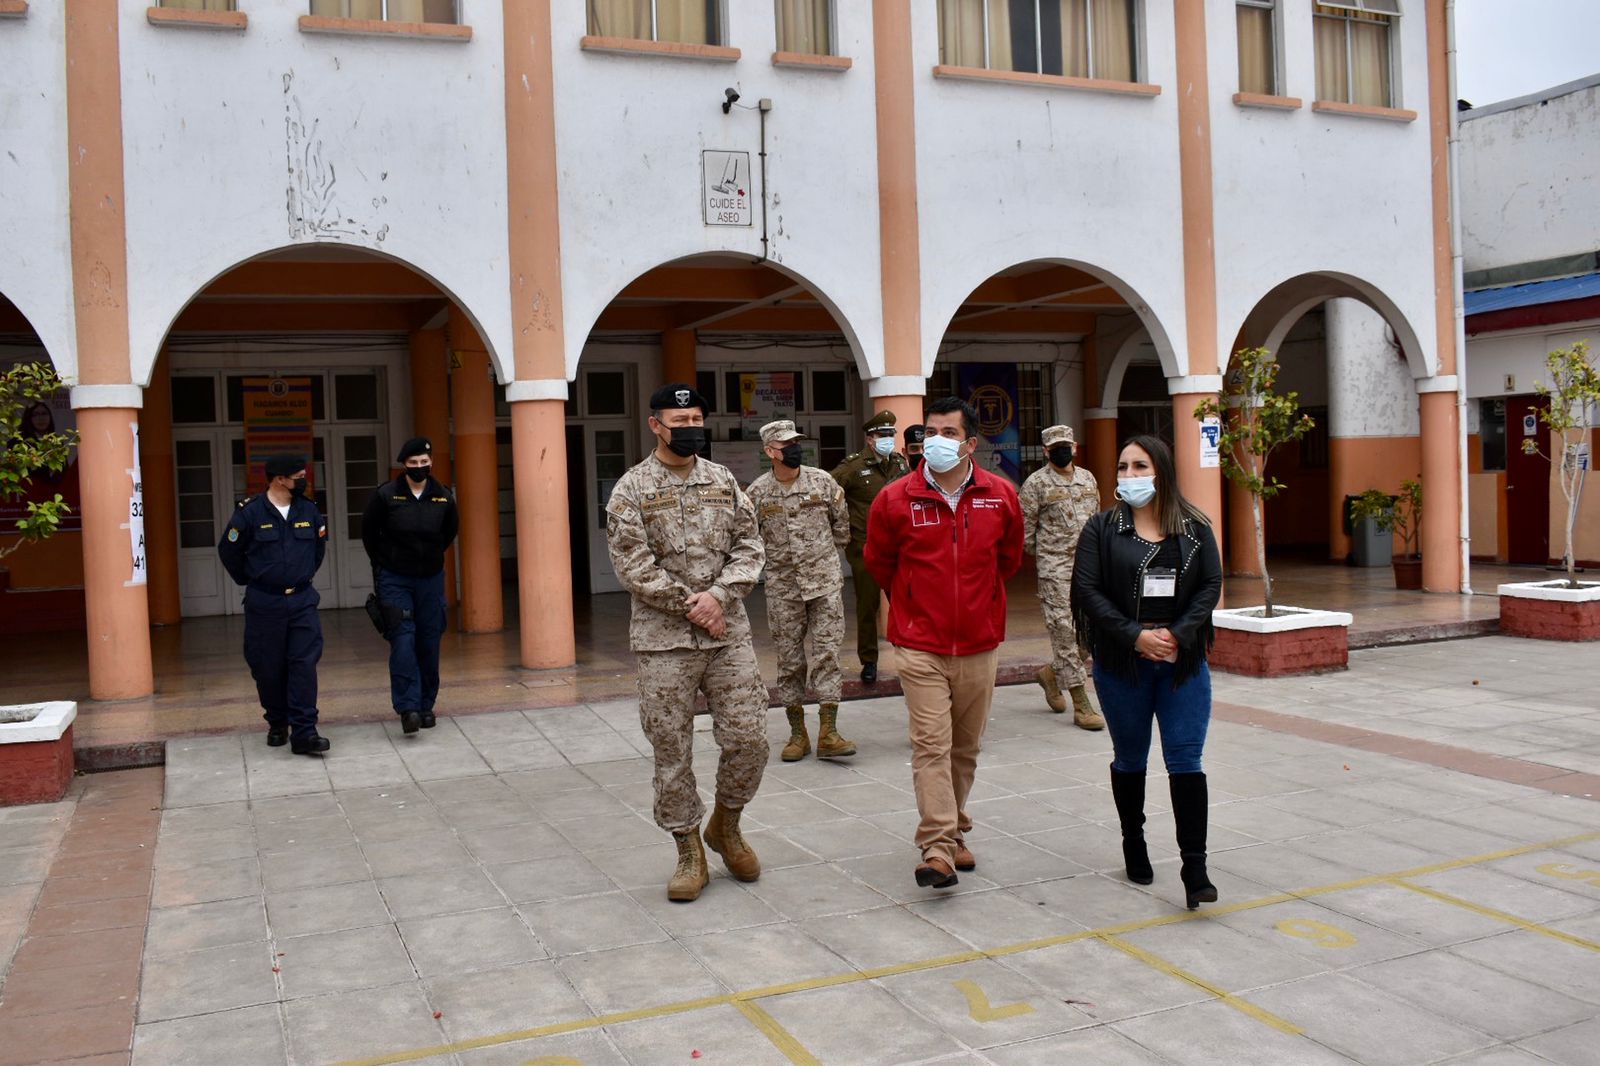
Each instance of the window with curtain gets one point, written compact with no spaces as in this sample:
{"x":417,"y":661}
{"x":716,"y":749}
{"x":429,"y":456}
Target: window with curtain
{"x":805,"y":26}
{"x":1077,"y":38}
{"x":198,"y":5}
{"x":444,"y":11}
{"x":1354,"y":42}
{"x":1258,"y":46}
{"x":681,"y":21}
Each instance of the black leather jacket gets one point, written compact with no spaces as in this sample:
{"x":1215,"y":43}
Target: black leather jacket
{"x":1107,"y":577}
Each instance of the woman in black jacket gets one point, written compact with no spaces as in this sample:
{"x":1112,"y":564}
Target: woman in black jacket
{"x":1146,"y":578}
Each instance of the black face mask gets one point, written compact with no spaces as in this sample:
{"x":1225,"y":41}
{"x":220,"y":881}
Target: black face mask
{"x":791,"y":456}
{"x":1061,"y":454}
{"x":915,"y":459}
{"x":689,"y":440}
{"x":297,"y":487}
{"x":419,"y":474}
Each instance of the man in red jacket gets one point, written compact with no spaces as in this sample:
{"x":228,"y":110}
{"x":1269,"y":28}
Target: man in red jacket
{"x":941,"y":541}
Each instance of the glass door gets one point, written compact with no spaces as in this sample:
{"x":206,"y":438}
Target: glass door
{"x":359,"y":472}
{"x":608,"y":458}
{"x":204,"y":508}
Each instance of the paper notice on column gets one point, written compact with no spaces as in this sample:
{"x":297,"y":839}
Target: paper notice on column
{"x":1210,"y":435}
{"x":136,"y":515}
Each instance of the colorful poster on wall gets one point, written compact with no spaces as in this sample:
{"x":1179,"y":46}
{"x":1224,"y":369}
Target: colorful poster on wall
{"x":54,"y":415}
{"x":991,"y":388}
{"x":277,"y":421}
{"x":762,"y":398}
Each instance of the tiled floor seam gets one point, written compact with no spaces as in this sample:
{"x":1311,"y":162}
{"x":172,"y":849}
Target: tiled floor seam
{"x":1428,"y":752}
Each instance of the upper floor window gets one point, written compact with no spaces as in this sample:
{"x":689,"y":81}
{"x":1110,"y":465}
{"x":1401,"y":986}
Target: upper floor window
{"x":805,"y":26}
{"x":389,"y":10}
{"x":1355,"y":51}
{"x":1258,"y":46}
{"x":198,"y":5}
{"x":683,"y":21}
{"x":1078,"y":38}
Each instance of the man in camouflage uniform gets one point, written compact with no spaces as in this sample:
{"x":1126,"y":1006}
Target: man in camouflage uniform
{"x":683,"y":542}
{"x":1057,"y":499}
{"x":862,"y":476}
{"x":804,"y":522}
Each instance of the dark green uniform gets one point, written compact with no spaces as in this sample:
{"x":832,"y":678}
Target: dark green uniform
{"x":863,"y":475}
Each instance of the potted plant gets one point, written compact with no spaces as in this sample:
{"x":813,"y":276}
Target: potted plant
{"x":1401,"y":517}
{"x":1252,"y":420}
{"x":1566,"y":609}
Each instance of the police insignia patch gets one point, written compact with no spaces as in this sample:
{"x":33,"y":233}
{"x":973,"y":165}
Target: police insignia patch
{"x":233,"y":534}
{"x":682,"y":396}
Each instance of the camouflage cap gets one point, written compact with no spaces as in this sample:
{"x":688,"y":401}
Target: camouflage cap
{"x":881,"y":420}
{"x":780,"y":432}
{"x":1056,"y":435}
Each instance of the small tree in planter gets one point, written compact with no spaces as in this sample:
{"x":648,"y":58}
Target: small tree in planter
{"x":1401,"y":516}
{"x":27,"y":450}
{"x":1264,"y":422}
{"x":1574,"y":388}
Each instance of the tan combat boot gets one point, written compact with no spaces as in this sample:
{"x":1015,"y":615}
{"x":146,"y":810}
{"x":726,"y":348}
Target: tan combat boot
{"x":1083,"y":713}
{"x":724,"y":838}
{"x":799,"y":745}
{"x":691,"y":875}
{"x":830,"y":745}
{"x":1052,"y":691}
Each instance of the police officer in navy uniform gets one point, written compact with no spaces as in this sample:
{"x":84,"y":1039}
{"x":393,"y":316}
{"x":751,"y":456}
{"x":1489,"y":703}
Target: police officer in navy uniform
{"x":406,"y":528}
{"x":273,"y":546}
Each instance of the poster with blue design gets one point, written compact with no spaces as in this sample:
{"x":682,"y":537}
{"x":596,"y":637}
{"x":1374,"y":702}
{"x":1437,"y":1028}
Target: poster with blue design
{"x":991,"y":388}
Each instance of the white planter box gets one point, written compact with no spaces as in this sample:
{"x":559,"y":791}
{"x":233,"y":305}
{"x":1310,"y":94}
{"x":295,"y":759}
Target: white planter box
{"x":33,"y":723}
{"x":1283,"y":620}
{"x":1541,"y":590}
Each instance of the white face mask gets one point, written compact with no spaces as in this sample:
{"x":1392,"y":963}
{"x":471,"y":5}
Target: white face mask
{"x":1137,"y":491}
{"x":941,"y":453}
{"x":884,"y":446}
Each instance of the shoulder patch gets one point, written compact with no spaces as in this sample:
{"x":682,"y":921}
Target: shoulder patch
{"x":233,"y":534}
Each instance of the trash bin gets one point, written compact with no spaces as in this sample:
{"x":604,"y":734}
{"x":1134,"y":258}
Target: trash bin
{"x":1370,"y":546}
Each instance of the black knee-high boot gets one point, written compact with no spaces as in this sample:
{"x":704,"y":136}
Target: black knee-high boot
{"x":1189,"y":810}
{"x":1128,"y":790}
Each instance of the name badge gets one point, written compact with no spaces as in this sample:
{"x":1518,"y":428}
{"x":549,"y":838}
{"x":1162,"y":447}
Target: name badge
{"x":1161,"y":582}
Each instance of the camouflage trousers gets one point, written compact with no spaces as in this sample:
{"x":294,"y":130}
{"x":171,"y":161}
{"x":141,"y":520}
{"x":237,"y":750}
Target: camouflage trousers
{"x":791,"y":621}
{"x":737,"y":698}
{"x":1064,"y":654}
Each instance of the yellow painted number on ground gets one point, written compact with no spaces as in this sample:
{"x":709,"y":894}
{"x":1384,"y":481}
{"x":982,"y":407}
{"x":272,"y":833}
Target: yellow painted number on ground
{"x":1567,"y":873}
{"x":1321,"y":934}
{"x":982,"y":1010}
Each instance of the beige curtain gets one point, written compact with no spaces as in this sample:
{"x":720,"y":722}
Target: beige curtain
{"x":1000,"y":36}
{"x":1333,"y":83}
{"x":683,"y":21}
{"x":405,"y":11}
{"x":961,"y":33}
{"x":1256,"y":50}
{"x":803,"y":26}
{"x":1369,"y":63}
{"x":198,"y":5}
{"x":620,"y":18}
{"x":1113,"y":40}
{"x":1075,"y":38}
{"x":348,"y":9}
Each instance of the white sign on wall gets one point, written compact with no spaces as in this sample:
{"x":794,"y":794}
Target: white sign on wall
{"x":725,"y":188}
{"x":136,"y":515}
{"x":1210,"y":435}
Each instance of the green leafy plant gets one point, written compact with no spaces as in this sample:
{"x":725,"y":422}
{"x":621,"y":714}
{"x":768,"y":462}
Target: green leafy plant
{"x":1573,"y":390}
{"x":1399,"y":515}
{"x":22,"y":387}
{"x":1254,"y":422}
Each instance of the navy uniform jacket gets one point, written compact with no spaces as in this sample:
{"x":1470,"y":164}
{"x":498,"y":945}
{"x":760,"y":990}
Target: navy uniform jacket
{"x":263,"y":550}
{"x":408,"y":534}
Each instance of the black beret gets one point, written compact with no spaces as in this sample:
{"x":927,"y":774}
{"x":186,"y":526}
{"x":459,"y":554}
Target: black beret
{"x":675,"y":397}
{"x":414,"y":446}
{"x":285,"y":465}
{"x":914,"y":434}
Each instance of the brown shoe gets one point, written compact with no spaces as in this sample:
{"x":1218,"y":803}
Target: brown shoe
{"x":1052,"y":691}
{"x":799,"y":745}
{"x":830,"y":745}
{"x":1084,"y":716}
{"x":934,"y":872}
{"x":723,"y":837}
{"x":965,"y":860}
{"x":691,"y":875}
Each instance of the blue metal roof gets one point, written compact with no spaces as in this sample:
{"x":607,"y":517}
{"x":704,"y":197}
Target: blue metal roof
{"x":1535,"y":292}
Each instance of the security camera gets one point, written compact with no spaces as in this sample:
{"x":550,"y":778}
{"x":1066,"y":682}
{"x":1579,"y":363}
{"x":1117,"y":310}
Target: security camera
{"x":729,"y":98}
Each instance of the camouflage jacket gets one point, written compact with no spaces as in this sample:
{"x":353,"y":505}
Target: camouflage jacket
{"x":862,"y":476}
{"x":803,"y":526}
{"x":671,"y":537}
{"x":1054,"y":509}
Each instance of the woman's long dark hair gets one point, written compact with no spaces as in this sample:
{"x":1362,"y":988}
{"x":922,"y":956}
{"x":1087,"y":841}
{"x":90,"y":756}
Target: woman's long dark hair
{"x":1171,"y":506}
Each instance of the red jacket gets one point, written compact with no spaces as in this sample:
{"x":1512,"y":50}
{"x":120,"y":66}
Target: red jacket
{"x":945,"y":573}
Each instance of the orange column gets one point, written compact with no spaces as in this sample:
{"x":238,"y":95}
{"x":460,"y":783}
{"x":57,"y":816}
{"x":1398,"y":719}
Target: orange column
{"x":430,"y":417}
{"x":678,"y":361}
{"x":160,"y":497}
{"x":538,"y":395}
{"x":1441,"y":492}
{"x":1202,"y":485}
{"x":108,"y":403}
{"x":477,"y":480}
{"x":1099,"y":439}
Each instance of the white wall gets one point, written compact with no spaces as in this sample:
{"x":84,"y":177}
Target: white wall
{"x":36,"y":262}
{"x":1530,"y":178}
{"x":1521,"y":353}
{"x":389,"y":144}
{"x":1370,"y":389}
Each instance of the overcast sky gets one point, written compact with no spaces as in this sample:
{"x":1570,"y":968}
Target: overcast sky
{"x":1511,"y":48}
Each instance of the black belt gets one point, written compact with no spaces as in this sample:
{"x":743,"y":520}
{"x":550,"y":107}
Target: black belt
{"x":280,"y":590}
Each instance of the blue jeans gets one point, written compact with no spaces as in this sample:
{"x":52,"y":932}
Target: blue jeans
{"x":414,"y":644}
{"x":1182,"y":714}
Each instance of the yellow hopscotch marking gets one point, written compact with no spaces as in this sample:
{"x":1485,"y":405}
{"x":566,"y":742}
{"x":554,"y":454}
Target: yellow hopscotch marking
{"x":982,"y":1010}
{"x":1499,"y":916}
{"x":1243,"y":1006}
{"x":781,"y":1038}
{"x":853,"y":977}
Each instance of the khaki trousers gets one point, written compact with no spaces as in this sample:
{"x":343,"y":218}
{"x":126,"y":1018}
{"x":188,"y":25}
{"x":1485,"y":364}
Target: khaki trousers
{"x":947,"y":702}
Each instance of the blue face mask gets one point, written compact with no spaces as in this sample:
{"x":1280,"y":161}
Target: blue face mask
{"x":941,"y":453}
{"x":883,"y":445}
{"x":1137,"y":491}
